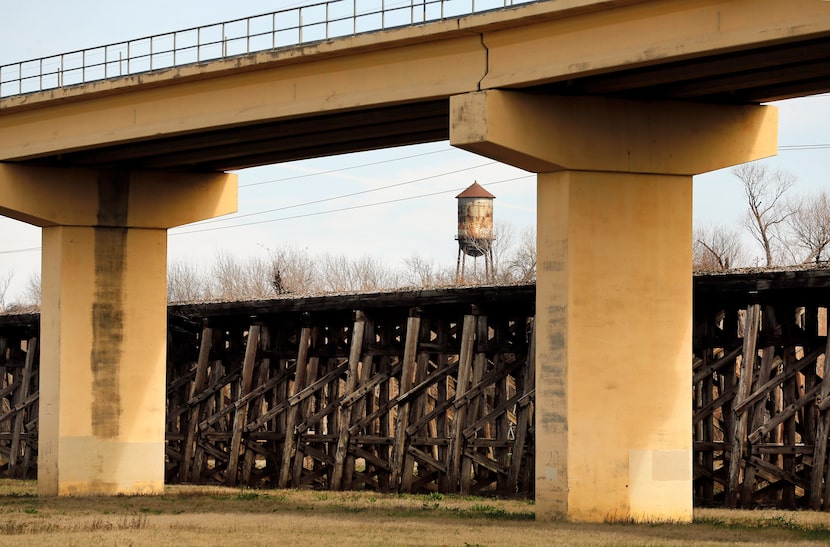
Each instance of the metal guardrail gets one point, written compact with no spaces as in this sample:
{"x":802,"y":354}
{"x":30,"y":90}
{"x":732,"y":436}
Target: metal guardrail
{"x":286,"y":28}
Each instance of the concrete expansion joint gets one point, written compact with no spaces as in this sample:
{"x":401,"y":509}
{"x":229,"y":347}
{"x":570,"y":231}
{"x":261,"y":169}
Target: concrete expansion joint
{"x":486,"y":61}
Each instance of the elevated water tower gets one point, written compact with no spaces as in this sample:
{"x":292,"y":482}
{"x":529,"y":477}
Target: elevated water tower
{"x":475,"y":229}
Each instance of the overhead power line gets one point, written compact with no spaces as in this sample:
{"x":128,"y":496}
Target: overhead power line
{"x":804,"y":147}
{"x":350,"y":208}
{"x":316,"y":213}
{"x":783,"y":148}
{"x":27,"y":250}
{"x":352,"y":194}
{"x":341,"y":169}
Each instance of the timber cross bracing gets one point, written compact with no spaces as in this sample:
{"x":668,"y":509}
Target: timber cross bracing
{"x":435,"y":397}
{"x":230,"y":404}
{"x":762,"y":390}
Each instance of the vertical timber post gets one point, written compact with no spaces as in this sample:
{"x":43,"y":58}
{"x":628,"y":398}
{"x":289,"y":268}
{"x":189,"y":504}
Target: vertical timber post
{"x":346,"y":410}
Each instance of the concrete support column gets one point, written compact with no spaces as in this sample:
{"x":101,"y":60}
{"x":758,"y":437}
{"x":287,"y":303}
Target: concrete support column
{"x":613,"y":300}
{"x":104,"y":316}
{"x":103,"y":326}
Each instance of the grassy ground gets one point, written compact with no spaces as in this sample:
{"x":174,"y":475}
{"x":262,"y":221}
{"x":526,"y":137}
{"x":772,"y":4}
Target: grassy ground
{"x":188,"y":515}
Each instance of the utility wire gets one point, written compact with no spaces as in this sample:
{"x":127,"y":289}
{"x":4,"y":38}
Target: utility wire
{"x":341,"y":196}
{"x":793,"y":147}
{"x":804,"y":147}
{"x":317,"y":213}
{"x":350,"y":208}
{"x":27,"y":250}
{"x":330,"y":171}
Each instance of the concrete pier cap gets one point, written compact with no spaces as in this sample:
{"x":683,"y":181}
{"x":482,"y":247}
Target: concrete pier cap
{"x":614,"y":286}
{"x":101,"y":415}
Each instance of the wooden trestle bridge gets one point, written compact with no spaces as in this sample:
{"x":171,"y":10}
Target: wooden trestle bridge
{"x":433,"y":391}
{"x":414,"y":392}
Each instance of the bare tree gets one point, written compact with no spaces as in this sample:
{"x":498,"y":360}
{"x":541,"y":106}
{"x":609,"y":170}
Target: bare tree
{"x":5,"y":283}
{"x":522,"y":263}
{"x":339,"y":273}
{"x":419,"y":271}
{"x":233,"y":278}
{"x":259,"y":281}
{"x":498,"y":249}
{"x":32,"y":291}
{"x":295,"y":269}
{"x":767,"y":212}
{"x":809,"y":225}
{"x":716,"y":248}
{"x":503,"y":242}
{"x":185,"y":283}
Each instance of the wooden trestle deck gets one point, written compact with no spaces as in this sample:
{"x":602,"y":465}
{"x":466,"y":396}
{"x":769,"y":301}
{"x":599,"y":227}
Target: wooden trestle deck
{"x":403,"y":392}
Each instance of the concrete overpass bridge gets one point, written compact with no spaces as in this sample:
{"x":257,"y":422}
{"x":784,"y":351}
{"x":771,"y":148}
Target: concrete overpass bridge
{"x":615,"y":104}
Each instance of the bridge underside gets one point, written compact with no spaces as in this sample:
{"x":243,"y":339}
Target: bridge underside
{"x":743,"y":77}
{"x":393,"y":88}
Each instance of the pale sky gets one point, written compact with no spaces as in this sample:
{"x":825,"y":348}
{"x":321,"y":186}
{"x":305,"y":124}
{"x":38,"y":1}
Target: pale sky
{"x":270,"y":197}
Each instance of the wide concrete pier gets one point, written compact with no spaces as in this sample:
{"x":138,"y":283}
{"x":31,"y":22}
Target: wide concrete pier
{"x":104,"y":316}
{"x":614,"y":287}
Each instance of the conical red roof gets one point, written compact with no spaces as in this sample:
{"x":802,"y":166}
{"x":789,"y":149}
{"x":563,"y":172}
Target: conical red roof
{"x":475,"y":191}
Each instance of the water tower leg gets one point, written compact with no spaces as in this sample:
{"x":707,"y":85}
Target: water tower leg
{"x":461,"y":266}
{"x":613,"y":291}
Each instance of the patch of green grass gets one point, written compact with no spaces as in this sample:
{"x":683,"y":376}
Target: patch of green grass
{"x":19,"y":495}
{"x":775,"y":522}
{"x":816,"y":534}
{"x":715,"y":522}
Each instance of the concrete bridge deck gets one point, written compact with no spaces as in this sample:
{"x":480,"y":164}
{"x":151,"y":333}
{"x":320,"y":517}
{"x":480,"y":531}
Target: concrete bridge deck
{"x":392,"y":87}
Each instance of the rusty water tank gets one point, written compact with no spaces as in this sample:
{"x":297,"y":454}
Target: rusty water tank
{"x":475,"y":220}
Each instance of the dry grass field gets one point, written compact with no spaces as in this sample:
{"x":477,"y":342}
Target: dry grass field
{"x":191,"y":515}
